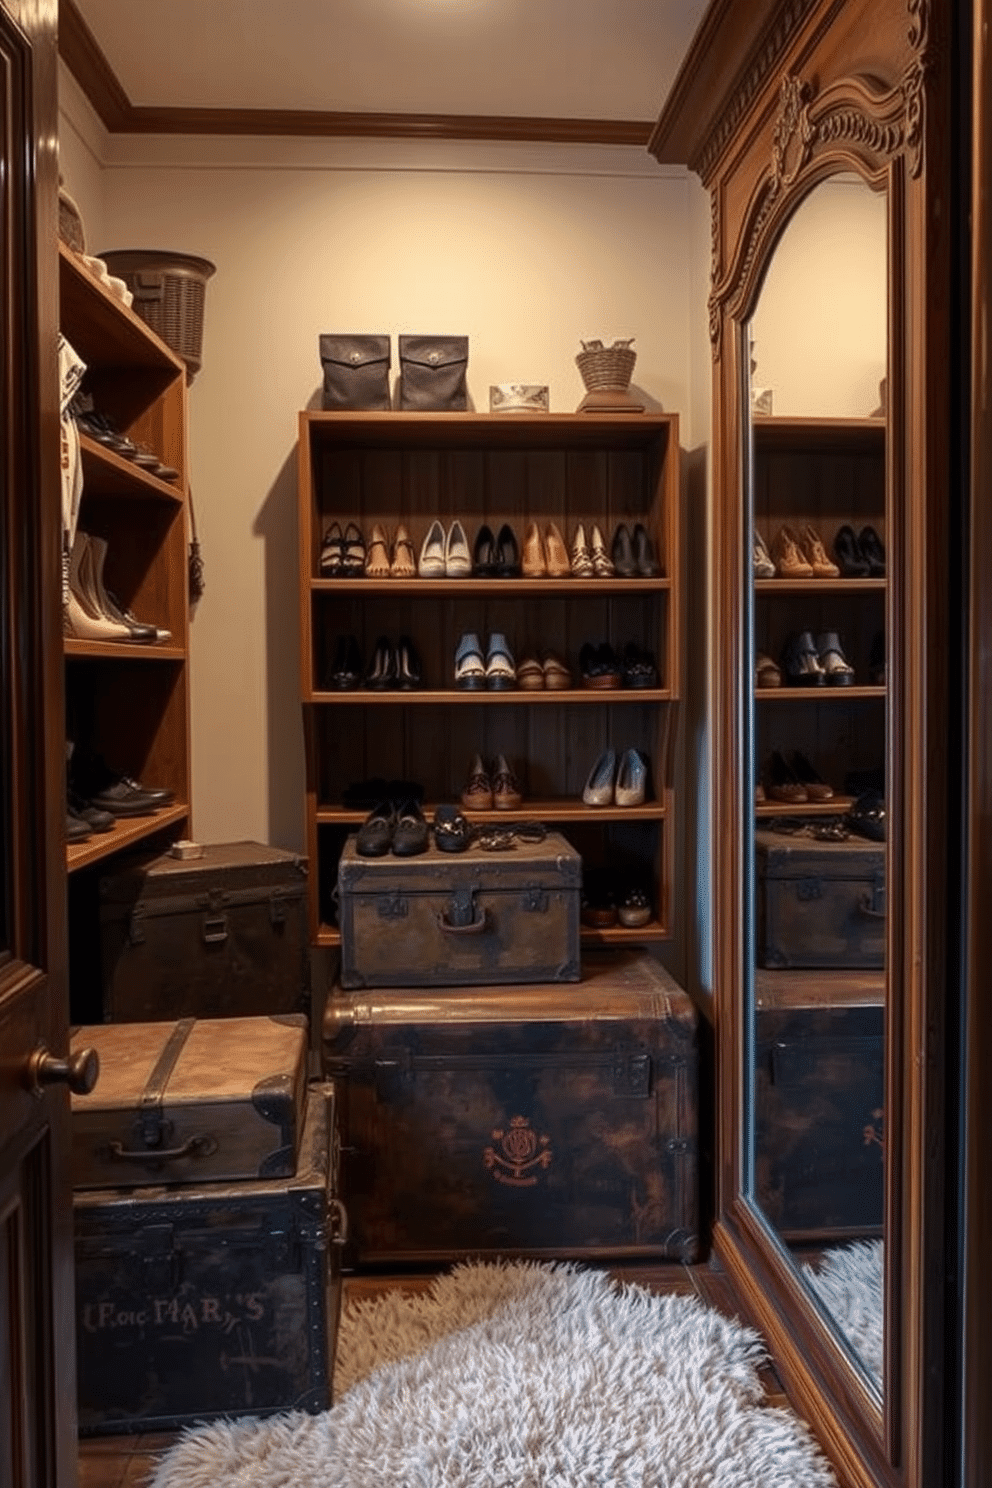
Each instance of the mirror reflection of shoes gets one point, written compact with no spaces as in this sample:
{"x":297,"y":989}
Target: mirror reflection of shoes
{"x":801,"y":662}
{"x":767,"y":673}
{"x":762,"y":566}
{"x":410,"y":834}
{"x":507,"y":795}
{"x":783,"y":783}
{"x":817,"y":789}
{"x":452,"y":831}
{"x":816,"y":554}
{"x":634,"y":908}
{"x":790,"y":561}
{"x":867,"y":816}
{"x":375,"y":835}
{"x":837,"y":670}
{"x":853,"y":563}
{"x":477,"y":793}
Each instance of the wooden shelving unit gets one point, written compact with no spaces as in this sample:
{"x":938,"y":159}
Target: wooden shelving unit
{"x":564,"y":468}
{"x":129,"y":703}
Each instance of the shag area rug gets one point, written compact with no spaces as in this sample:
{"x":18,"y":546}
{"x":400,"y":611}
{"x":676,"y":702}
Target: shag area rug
{"x":849,"y":1281}
{"x":522,"y":1375}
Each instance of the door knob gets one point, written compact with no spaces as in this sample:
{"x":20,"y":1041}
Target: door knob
{"x":79,"y":1070}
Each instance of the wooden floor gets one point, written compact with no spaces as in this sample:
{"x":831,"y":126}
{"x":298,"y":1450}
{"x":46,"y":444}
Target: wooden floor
{"x":128,"y":1461}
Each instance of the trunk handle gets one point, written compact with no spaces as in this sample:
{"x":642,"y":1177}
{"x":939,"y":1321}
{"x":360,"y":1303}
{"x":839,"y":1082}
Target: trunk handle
{"x":197,"y":1146}
{"x":474,"y":927}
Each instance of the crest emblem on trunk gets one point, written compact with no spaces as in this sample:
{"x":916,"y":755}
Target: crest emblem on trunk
{"x":520,"y":1150}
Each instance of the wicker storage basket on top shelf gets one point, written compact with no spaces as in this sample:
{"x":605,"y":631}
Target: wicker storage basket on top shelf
{"x":606,"y":367}
{"x":169,"y":293}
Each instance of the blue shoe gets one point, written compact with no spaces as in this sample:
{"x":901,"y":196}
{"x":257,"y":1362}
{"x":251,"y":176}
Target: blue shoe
{"x":501,"y":669}
{"x":470,"y":669}
{"x":598,"y":789}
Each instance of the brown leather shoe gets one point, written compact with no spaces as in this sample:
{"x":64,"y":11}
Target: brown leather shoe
{"x":530,"y":675}
{"x":478,"y":792}
{"x":559,"y":566}
{"x":767,"y":673}
{"x":557,"y":677}
{"x":790,"y":562}
{"x":533,"y":562}
{"x":507,"y":795}
{"x":816,"y":555}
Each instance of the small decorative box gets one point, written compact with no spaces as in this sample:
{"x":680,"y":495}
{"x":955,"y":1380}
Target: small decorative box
{"x":518,"y":397}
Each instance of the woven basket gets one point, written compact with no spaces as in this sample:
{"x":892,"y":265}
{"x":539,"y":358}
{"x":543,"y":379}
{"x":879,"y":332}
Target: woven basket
{"x":71,"y":223}
{"x":169,"y":291}
{"x":610,"y":367}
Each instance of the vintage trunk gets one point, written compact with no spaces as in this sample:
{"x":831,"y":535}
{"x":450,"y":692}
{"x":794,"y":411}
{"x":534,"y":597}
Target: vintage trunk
{"x":819,"y":904}
{"x":213,"y":937}
{"x":819,"y":1103}
{"x":556,"y":1121}
{"x":195,"y":1101}
{"x":211,"y":1300}
{"x":461,"y":919}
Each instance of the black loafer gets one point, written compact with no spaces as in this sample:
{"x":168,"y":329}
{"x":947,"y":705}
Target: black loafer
{"x":452,"y":830}
{"x":411,"y":835}
{"x":375,"y":835}
{"x":127,"y":797}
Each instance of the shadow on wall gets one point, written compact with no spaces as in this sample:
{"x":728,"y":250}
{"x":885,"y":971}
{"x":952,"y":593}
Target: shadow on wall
{"x":277,"y":523}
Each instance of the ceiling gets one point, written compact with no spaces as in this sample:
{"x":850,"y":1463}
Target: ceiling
{"x":584,"y":69}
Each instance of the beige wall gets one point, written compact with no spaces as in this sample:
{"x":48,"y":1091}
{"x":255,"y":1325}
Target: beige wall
{"x":525,"y":249}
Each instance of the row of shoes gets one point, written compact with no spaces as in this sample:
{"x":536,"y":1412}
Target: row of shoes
{"x":393,"y":666}
{"x":403,"y":830}
{"x":446,"y":553}
{"x":600,"y":667}
{"x":92,"y":612}
{"x":799,"y":553}
{"x":96,"y":796}
{"x":610,"y":898}
{"x":100,"y":427}
{"x":820,"y":661}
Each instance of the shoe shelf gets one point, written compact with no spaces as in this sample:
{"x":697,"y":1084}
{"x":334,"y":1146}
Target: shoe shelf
{"x":129,"y":832}
{"x":836,"y":806}
{"x":127,"y":702}
{"x":804,"y":587}
{"x":485,"y":698}
{"x":552,"y":470}
{"x":818,"y":694}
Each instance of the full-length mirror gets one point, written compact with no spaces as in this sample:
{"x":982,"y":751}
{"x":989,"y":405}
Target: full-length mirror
{"x":816,"y":981}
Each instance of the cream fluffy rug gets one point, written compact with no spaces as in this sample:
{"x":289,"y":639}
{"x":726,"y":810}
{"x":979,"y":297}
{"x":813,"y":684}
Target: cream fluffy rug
{"x":849,"y":1281}
{"x":522,"y":1375}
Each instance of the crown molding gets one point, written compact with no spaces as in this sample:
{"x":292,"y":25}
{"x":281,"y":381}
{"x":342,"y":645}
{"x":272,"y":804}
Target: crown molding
{"x":82,"y":55}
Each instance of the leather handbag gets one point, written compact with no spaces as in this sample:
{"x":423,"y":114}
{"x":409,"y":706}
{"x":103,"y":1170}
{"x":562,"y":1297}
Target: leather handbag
{"x":432,"y":373}
{"x":356,"y":372}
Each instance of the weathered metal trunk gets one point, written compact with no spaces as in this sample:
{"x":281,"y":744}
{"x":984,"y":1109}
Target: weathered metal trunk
{"x":195,"y":1101}
{"x":212,"y":1300}
{"x":220,"y":936}
{"x":820,"y":904}
{"x":461,"y":919}
{"x":561,"y":1121}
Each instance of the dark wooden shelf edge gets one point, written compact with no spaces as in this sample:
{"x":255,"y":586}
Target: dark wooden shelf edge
{"x":819,"y":586}
{"x":127,"y":832}
{"x":836,"y":805}
{"x":817,"y":694}
{"x":493,"y":588}
{"x":557,"y":811}
{"x":121,"y":650}
{"x":363,"y":698}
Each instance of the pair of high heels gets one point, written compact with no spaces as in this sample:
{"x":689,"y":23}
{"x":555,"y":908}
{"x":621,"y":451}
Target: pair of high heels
{"x":861,"y":555}
{"x":632,"y":553}
{"x":445,"y":555}
{"x":496,"y":557}
{"x":390,"y":560}
{"x":343,"y":552}
{"x":617,"y":780}
{"x":391,"y":667}
{"x":795,"y":554}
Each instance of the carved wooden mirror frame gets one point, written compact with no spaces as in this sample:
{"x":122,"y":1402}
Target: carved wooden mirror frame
{"x":767,"y":106}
